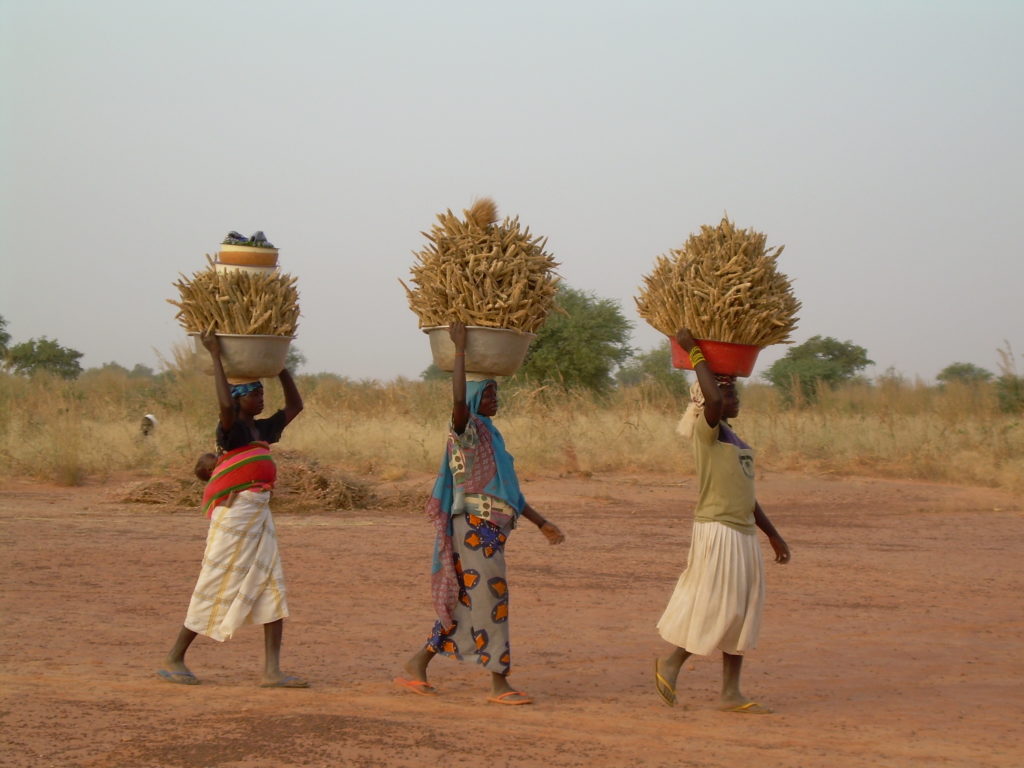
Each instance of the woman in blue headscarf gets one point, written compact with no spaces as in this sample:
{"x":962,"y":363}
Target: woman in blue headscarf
{"x":475,"y":504}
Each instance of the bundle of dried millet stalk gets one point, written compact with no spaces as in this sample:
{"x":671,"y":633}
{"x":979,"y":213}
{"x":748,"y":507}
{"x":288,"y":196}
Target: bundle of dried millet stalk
{"x":238,"y":302}
{"x":479,"y":272}
{"x":723,"y":285}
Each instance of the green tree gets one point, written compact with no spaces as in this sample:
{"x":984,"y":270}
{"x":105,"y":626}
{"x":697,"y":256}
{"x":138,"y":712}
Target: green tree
{"x":1010,"y":392}
{"x":111,"y":367}
{"x":653,"y":366}
{"x":433,"y":373}
{"x":965,"y":373}
{"x":583,"y":346}
{"x":819,"y":361}
{"x":1009,"y":385}
{"x":295,"y":359}
{"x":140,"y":371}
{"x":44,"y":354}
{"x":5,"y":337}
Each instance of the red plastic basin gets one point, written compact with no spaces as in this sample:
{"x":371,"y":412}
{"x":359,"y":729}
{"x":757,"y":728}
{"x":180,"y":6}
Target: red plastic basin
{"x":722,"y":357}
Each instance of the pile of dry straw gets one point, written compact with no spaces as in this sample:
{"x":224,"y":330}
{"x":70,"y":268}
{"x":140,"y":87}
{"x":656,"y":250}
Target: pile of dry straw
{"x":304,"y":485}
{"x":479,"y":272}
{"x":723,"y":285}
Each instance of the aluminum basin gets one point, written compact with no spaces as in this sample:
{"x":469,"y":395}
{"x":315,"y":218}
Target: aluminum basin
{"x":246,"y":357}
{"x":491,"y":351}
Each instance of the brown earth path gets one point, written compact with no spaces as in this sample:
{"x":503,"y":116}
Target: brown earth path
{"x":895,"y":637}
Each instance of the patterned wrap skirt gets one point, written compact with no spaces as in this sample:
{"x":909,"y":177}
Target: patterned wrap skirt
{"x":241,"y":581}
{"x":480,"y":628}
{"x":718,"y":600}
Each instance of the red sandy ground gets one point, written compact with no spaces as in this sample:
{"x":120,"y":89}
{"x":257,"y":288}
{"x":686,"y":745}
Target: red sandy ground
{"x":893,"y":639}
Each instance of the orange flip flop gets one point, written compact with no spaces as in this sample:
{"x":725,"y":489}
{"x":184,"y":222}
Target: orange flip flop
{"x":503,"y":698}
{"x":419,"y":687}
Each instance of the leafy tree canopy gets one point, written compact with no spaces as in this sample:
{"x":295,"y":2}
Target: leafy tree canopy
{"x":295,"y":359}
{"x":140,"y":371}
{"x":44,"y":354}
{"x":582,"y":347}
{"x":654,"y":366}
{"x":433,"y":373}
{"x":966,"y":373}
{"x":5,"y":337}
{"x":819,"y":361}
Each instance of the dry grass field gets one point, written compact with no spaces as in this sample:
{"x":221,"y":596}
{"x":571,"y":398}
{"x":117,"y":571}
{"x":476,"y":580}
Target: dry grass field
{"x":68,"y":432}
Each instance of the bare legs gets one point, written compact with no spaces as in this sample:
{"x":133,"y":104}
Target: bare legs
{"x":416,"y":667}
{"x":669,"y":667}
{"x":731,"y":698}
{"x":732,"y":665}
{"x":175,"y":660}
{"x":273,"y":634}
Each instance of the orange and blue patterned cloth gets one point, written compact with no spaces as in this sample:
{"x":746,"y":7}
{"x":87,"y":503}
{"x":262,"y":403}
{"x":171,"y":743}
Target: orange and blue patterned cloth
{"x":489,"y":470}
{"x":479,"y":629}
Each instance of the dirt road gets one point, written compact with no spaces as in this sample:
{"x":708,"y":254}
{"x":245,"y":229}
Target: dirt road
{"x":895,"y":637}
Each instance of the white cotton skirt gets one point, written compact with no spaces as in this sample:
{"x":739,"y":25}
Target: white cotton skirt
{"x":241,"y":581}
{"x":719,"y":598}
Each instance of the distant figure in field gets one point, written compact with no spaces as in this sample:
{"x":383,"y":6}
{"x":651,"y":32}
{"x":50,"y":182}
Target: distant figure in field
{"x":241,"y":581}
{"x":475,"y":504}
{"x":148,"y":425}
{"x":718,"y":600}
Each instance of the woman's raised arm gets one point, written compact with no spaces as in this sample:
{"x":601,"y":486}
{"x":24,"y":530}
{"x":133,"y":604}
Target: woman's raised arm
{"x":220,"y":381}
{"x":460,"y":410}
{"x":713,"y":400}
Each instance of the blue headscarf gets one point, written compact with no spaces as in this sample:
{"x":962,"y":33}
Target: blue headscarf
{"x":504,"y":485}
{"x":241,"y":390}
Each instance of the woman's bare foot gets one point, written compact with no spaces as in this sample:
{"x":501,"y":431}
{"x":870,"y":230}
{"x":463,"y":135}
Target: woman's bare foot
{"x":175,"y":671}
{"x":282,"y":680}
{"x":416,"y":669}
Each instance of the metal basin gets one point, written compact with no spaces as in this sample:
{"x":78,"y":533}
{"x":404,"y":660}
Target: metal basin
{"x":246,"y":357}
{"x":491,"y":351}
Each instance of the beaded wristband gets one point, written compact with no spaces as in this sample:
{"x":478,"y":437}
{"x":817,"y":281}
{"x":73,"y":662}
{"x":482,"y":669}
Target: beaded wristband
{"x":696,"y":356}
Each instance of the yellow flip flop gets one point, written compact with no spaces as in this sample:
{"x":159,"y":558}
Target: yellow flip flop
{"x":664,"y":687}
{"x":750,"y":708}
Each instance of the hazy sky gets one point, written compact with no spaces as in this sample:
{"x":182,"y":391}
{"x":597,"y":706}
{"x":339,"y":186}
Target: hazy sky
{"x":879,"y":141}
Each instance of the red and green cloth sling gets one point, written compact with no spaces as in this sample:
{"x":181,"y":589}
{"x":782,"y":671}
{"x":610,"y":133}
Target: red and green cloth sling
{"x":248,"y":467}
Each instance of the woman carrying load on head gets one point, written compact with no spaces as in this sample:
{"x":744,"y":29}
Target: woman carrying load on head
{"x":241,"y":581}
{"x":718,"y":599}
{"x":474,"y":506}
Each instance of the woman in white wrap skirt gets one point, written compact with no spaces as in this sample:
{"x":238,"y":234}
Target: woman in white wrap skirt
{"x":718,"y":599}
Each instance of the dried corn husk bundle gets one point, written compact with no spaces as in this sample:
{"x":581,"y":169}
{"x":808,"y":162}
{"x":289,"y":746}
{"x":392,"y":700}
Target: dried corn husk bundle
{"x":723,"y":285}
{"x":479,"y":272}
{"x":238,"y":302}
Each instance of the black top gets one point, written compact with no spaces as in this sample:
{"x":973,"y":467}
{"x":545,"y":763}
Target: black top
{"x":269,"y":431}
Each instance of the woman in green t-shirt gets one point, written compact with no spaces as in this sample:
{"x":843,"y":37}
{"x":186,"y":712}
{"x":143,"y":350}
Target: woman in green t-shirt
{"x":718,"y":599}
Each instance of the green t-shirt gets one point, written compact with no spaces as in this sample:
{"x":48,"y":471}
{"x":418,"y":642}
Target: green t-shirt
{"x":725,"y":468}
